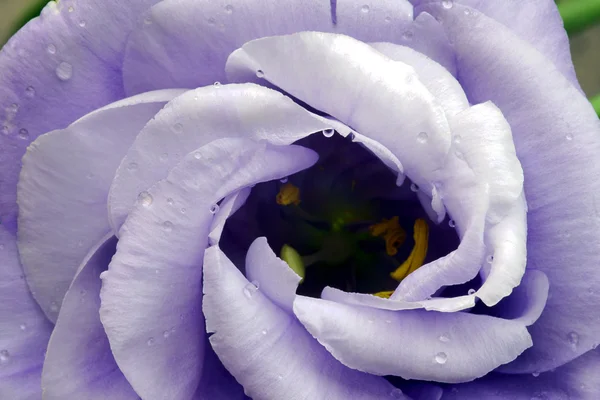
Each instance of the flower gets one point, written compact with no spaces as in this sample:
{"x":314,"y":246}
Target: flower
{"x":139,"y":234}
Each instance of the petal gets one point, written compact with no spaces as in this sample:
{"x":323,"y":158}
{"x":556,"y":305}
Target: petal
{"x":221,"y":111}
{"x":277,"y":280}
{"x":185,"y":43}
{"x":378,"y":97}
{"x":228,"y":207}
{"x":151,"y":293}
{"x":24,"y":331}
{"x":436,"y":78}
{"x":575,"y":380}
{"x":526,"y":303}
{"x":79,"y":363}
{"x":444,"y":347}
{"x":65,"y":180}
{"x":56,"y":69}
{"x":556,"y":134}
{"x":536,"y":21}
{"x":267,"y":350}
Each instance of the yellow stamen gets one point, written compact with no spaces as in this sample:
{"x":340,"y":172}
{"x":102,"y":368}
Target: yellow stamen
{"x":385,"y":294}
{"x":418,"y":253}
{"x":288,"y":194}
{"x":392,"y":233}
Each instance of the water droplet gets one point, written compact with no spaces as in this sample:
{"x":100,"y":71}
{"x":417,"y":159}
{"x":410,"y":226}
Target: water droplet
{"x":178,"y":128}
{"x":4,"y":356}
{"x":388,"y":19}
{"x":54,"y":307}
{"x":535,"y":374}
{"x":81,"y":24}
{"x":365,"y":8}
{"x":444,"y":338}
{"x":214,"y":209}
{"x":30,"y":92}
{"x":71,"y":9}
{"x":284,"y":180}
{"x":249,"y":290}
{"x":328,"y":132}
{"x":145,"y":199}
{"x":13,"y":108}
{"x":471,"y":292}
{"x":23,"y":134}
{"x":260,"y":73}
{"x":489,"y":259}
{"x":422,"y":137}
{"x":569,"y":136}
{"x":211,"y":21}
{"x":150,"y":341}
{"x":414,"y":187}
{"x":183,"y":210}
{"x":132,"y":166}
{"x":264,"y":331}
{"x":167,"y":226}
{"x":441,"y":358}
{"x":467,"y":12}
{"x":447,"y":4}
{"x":170,"y":201}
{"x":197,"y":156}
{"x":451,"y":223}
{"x":166,"y":334}
{"x":51,"y":49}
{"x":64,"y":71}
{"x":228,"y":8}
{"x":456,"y":139}
{"x":5,"y":130}
{"x":217,"y":84}
{"x":407,"y":35}
{"x":573,"y":338}
{"x":164,"y":157}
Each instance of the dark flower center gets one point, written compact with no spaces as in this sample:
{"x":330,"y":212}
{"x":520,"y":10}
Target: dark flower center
{"x":342,"y":223}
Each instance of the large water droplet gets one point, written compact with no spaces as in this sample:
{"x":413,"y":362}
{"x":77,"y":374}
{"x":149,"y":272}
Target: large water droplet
{"x":23,"y":134}
{"x":447,"y":4}
{"x":471,"y":292}
{"x":250,"y":289}
{"x":328,"y":132}
{"x":260,"y":73}
{"x":217,"y":84}
{"x":145,"y":199}
{"x":64,"y":71}
{"x":4,"y":356}
{"x":81,"y":24}
{"x":490,"y":258}
{"x":441,"y":358}
{"x":422,"y":137}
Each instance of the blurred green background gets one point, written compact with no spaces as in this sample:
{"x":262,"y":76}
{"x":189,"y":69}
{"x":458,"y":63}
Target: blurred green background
{"x":585,"y":44}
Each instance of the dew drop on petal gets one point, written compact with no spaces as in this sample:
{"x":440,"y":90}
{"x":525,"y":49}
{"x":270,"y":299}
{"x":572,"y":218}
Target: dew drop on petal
{"x":459,"y":155}
{"x":54,"y":307}
{"x":132,"y":166}
{"x":183,"y":210}
{"x":64,"y":71}
{"x":178,"y":128}
{"x":81,"y":24}
{"x":23,"y":327}
{"x":444,"y":338}
{"x":214,"y":209}
{"x":249,"y":290}
{"x":145,"y":199}
{"x":167,"y":226}
{"x":569,"y":136}
{"x":260,"y":73}
{"x":451,"y":223}
{"x":5,"y":130}
{"x":414,"y":187}
{"x":164,"y":157}
{"x":441,"y":358}
{"x":447,"y":4}
{"x":388,"y":19}
{"x":407,"y":35}
{"x":264,"y":331}
{"x":328,"y":133}
{"x":217,"y":84}
{"x":573,"y":338}
{"x":166,"y":334}
{"x":197,"y":156}
{"x":535,"y":374}
{"x":365,"y":8}
{"x":471,"y":292}
{"x":51,"y":49}
{"x":150,"y":341}
{"x":229,"y":9}
{"x":71,"y":9}
{"x":211,"y":21}
{"x":23,"y":134}
{"x":489,"y":259}
{"x":4,"y":356}
{"x":422,"y":137}
{"x":170,"y":201}
{"x":30,"y":92}
{"x":397,"y":394}
{"x":284,"y":180}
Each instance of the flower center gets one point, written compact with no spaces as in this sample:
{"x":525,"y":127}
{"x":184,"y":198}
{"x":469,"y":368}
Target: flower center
{"x":343,"y":223}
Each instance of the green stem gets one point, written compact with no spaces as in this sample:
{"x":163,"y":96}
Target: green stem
{"x":596,"y":103}
{"x":579,"y":15}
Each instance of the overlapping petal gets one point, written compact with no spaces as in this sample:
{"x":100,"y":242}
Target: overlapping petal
{"x":63,"y":190}
{"x":56,"y":69}
{"x":24,"y":330}
{"x":79,"y":363}
{"x":197,"y":118}
{"x":267,"y":349}
{"x":151,"y":293}
{"x":556,"y":135}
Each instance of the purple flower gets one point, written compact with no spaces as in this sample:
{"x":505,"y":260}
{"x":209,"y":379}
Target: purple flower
{"x":426,"y":171}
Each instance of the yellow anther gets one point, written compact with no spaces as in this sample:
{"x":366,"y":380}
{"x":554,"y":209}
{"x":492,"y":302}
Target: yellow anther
{"x":418,"y":253}
{"x":384,"y":295}
{"x":392,"y":233}
{"x":288,"y":194}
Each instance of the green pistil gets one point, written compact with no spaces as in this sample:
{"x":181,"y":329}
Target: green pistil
{"x":294,"y":260}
